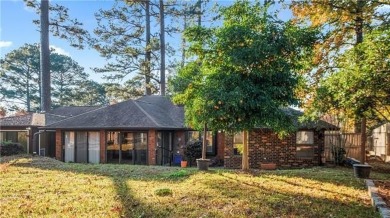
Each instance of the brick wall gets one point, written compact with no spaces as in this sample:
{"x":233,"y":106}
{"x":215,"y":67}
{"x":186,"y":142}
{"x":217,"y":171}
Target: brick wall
{"x":230,"y":160}
{"x":103,"y":146}
{"x":59,"y":145}
{"x":152,"y":147}
{"x":265,"y":146}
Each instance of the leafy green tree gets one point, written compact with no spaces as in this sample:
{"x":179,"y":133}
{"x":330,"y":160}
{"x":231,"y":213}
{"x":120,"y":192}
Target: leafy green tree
{"x":67,"y":77}
{"x":360,"y":88}
{"x":244,"y":73}
{"x":19,"y":79}
{"x":61,"y":24}
{"x":124,"y":38}
{"x":344,"y":23}
{"x":131,"y":89}
{"x":89,"y":93}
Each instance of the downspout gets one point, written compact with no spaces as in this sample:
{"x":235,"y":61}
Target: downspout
{"x":39,"y":143}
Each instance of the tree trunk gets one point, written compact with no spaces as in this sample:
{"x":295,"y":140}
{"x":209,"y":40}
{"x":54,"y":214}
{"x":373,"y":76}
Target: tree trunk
{"x":45,"y":57}
{"x":28,"y":100}
{"x":245,"y":154}
{"x":204,"y":145}
{"x":162,"y":50}
{"x":359,"y":39}
{"x":363,"y":142}
{"x":147,"y":52}
{"x":183,"y":40}
{"x":199,"y":12}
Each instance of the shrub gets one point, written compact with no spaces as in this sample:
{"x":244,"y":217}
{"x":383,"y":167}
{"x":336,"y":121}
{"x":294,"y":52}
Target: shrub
{"x":338,"y":154}
{"x":10,"y":148}
{"x":192,"y":151}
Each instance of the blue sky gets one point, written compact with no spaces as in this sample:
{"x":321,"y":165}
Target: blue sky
{"x":16,"y":29}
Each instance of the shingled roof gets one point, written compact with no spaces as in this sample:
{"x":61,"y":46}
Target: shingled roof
{"x":148,"y":112}
{"x":21,"y":120}
{"x":37,"y":119}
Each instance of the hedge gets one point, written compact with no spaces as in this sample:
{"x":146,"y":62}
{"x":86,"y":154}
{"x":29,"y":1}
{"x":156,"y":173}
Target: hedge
{"x":7,"y":148}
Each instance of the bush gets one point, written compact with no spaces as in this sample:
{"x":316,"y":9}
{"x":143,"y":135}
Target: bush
{"x":10,"y":148}
{"x":338,"y":155}
{"x":193,"y":151}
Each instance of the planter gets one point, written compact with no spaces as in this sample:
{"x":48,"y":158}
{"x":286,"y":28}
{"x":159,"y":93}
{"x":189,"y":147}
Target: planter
{"x":268,"y":166}
{"x":183,"y":163}
{"x":203,"y":164}
{"x":362,"y":171}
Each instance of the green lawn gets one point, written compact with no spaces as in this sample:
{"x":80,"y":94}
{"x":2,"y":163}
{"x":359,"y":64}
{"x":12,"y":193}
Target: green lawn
{"x":42,"y":187}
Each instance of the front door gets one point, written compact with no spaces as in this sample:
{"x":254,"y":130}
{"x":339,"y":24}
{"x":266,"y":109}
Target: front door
{"x":164,"y":148}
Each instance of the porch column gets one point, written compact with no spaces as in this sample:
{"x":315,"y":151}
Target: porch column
{"x":152,"y":147}
{"x":221,"y":145}
{"x":59,"y":145}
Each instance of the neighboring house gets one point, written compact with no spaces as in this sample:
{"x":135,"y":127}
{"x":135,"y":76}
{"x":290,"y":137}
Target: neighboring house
{"x":380,"y":144}
{"x":151,"y":131}
{"x":23,"y":129}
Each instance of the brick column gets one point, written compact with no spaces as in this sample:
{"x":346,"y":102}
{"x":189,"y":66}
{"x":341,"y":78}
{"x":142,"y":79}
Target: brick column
{"x":59,"y":145}
{"x":152,"y":137}
{"x":103,"y":146}
{"x":220,"y":145}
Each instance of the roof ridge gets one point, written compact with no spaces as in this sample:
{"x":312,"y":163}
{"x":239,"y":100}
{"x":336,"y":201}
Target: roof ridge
{"x":57,"y":115}
{"x":146,"y":113}
{"x":70,"y":117}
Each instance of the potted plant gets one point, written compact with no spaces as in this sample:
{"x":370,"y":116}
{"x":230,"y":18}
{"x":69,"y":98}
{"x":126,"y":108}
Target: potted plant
{"x":183,"y":162}
{"x":362,"y":171}
{"x":267,"y":165}
{"x":203,"y":163}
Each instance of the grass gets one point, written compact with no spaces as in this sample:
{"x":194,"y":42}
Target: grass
{"x":43,"y":187}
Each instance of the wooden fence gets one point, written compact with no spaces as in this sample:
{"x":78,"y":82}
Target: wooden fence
{"x":350,"y":142}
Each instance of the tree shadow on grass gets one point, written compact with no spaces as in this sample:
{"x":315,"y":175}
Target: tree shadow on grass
{"x":120,"y":176}
{"x":267,"y":201}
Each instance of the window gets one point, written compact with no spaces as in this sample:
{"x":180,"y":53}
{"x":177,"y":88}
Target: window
{"x":16,"y":137}
{"x":193,"y":136}
{"x":238,"y":143}
{"x":305,"y":141}
{"x":305,"y":137}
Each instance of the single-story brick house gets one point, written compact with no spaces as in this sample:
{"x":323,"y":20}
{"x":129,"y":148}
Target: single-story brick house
{"x":151,"y":131}
{"x":24,"y":129}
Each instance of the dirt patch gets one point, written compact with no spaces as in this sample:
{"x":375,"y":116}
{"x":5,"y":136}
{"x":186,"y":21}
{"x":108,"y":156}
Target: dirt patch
{"x":383,"y":190}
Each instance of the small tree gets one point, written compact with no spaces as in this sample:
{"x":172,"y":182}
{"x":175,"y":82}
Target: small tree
{"x":244,"y":72}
